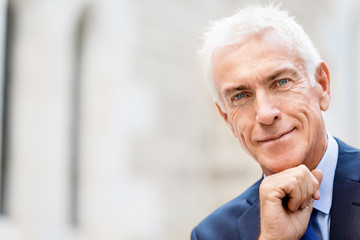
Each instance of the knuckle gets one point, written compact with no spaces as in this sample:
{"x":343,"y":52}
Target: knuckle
{"x":301,"y":174}
{"x":303,"y":169}
{"x":293,"y":180}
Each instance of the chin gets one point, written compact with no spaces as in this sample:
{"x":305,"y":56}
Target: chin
{"x":279,"y":164}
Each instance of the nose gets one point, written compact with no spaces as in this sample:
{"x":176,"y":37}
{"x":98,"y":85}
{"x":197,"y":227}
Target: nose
{"x":266,"y":109}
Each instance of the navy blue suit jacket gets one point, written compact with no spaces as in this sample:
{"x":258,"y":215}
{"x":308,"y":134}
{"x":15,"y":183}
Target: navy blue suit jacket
{"x":240,"y":218}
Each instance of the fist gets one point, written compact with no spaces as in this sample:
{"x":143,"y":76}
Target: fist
{"x":286,"y":202}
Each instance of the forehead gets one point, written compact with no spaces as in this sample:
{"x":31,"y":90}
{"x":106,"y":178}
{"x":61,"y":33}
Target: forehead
{"x":255,"y":56}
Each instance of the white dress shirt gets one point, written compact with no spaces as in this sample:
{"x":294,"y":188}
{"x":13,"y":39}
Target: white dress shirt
{"x":327,"y":165}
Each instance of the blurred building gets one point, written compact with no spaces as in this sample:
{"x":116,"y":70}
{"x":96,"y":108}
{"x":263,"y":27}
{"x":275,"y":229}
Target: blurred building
{"x":107,"y":127}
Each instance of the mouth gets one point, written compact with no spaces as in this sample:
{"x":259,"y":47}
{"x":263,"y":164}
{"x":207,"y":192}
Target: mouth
{"x":276,"y":137}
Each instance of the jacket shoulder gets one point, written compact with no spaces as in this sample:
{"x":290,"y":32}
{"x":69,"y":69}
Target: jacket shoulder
{"x":222,"y":223}
{"x":348,"y":165}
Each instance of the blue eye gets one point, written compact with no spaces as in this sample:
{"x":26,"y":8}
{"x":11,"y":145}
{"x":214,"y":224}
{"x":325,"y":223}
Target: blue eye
{"x":239,"y":96}
{"x":283,"y":81}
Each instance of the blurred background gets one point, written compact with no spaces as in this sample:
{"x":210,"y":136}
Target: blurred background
{"x":108,"y":130}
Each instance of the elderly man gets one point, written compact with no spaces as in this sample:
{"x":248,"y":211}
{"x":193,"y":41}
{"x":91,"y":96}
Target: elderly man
{"x":270,"y":86}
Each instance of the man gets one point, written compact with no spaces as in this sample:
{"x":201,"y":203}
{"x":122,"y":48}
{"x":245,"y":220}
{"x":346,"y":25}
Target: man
{"x":270,"y":87}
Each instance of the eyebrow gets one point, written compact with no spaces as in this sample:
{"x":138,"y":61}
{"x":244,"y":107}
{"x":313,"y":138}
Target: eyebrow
{"x":282,"y":71}
{"x":292,"y":71}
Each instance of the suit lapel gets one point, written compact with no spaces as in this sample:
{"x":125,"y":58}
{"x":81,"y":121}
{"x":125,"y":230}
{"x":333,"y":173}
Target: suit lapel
{"x":345,"y":210}
{"x":249,"y":221}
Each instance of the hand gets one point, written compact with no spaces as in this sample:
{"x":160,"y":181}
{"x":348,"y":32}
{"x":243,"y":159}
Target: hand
{"x":286,"y":202}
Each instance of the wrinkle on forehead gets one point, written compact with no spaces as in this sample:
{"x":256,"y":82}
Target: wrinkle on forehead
{"x":273,"y":41}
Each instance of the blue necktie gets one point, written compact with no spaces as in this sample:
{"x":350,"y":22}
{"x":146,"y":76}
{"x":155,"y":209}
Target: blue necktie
{"x":309,"y":234}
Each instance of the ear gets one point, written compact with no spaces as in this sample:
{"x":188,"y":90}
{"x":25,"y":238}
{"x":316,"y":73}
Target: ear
{"x":222,"y":113}
{"x":225,"y":117}
{"x":323,"y":79}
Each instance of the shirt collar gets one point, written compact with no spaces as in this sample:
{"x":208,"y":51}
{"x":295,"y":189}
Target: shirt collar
{"x":327,"y":165}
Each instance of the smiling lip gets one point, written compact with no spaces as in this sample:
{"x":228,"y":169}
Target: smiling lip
{"x":276,"y":137}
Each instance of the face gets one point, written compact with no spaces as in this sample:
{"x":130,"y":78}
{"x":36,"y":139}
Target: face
{"x":269,"y":102}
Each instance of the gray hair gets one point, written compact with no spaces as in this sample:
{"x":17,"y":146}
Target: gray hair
{"x":249,"y":21}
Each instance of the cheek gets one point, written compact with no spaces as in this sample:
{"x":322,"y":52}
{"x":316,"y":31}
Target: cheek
{"x":237,"y":123}
{"x":242,"y":127}
{"x":301,"y":106}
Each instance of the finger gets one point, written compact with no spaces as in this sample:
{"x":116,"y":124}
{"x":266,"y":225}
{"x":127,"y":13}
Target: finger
{"x":316,"y":183}
{"x":308,"y":188}
{"x":317,"y":174}
{"x":309,"y":207}
{"x":299,"y":187}
{"x":293,"y":190}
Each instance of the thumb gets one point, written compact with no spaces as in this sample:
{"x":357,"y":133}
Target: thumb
{"x":318,"y":175}
{"x":309,"y":206}
{"x":308,"y":209}
{"x":305,"y":215}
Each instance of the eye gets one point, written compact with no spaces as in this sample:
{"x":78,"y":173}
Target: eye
{"x":283,"y":81}
{"x":239,"y":96}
